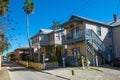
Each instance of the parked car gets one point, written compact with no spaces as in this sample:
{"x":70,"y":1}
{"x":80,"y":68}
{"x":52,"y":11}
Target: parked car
{"x":115,"y":62}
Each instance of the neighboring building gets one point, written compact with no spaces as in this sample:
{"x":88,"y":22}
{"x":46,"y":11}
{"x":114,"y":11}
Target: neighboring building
{"x":88,"y":38}
{"x":49,"y":42}
{"x":116,"y":38}
{"x":19,"y":51}
{"x":116,"y":41}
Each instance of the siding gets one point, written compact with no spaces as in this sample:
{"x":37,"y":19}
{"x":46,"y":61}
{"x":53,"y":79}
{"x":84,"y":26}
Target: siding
{"x":116,"y":41}
{"x":79,"y":44}
{"x":104,"y":33}
{"x":104,"y":30}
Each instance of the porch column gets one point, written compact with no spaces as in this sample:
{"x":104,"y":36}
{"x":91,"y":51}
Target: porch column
{"x":55,"y":50}
{"x":93,"y":55}
{"x":109,"y":57}
{"x":86,"y":49}
{"x":96,"y":60}
{"x":38,"y":53}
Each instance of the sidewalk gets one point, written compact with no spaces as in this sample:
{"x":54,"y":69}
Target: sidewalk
{"x":97,"y":73}
{"x":4,"y":74}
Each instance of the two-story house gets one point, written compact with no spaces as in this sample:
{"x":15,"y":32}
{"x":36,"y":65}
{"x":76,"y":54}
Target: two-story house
{"x":52,"y":43}
{"x":88,"y":38}
{"x":49,"y":41}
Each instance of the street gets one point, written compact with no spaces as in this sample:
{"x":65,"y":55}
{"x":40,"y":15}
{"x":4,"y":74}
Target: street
{"x":17,"y":72}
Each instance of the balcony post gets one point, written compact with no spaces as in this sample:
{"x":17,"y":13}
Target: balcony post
{"x":86,"y":50}
{"x":93,"y":55}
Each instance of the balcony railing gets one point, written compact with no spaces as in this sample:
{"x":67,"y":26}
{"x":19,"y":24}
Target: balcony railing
{"x":73,"y":37}
{"x":44,"y":42}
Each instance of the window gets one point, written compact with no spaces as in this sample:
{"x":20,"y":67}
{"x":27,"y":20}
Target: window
{"x":58,"y":36}
{"x":99,"y":30}
{"x":75,"y":32}
{"x":76,"y":51}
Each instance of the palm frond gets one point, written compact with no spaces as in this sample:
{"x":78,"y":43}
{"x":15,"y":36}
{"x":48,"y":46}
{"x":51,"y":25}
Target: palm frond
{"x":28,"y":7}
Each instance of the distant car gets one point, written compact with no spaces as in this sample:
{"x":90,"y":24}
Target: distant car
{"x":115,"y":62}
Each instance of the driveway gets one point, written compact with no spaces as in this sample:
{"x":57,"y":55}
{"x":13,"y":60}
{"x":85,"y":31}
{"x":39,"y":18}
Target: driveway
{"x":96,"y":73}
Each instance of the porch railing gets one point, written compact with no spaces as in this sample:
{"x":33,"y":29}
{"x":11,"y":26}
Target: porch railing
{"x":73,"y":37}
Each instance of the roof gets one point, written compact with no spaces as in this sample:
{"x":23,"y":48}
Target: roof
{"x":79,"y":18}
{"x":45,"y":31}
{"x":22,"y":48}
{"x":57,"y":30}
{"x":113,"y":23}
{"x":34,"y":35}
{"x":42,"y":31}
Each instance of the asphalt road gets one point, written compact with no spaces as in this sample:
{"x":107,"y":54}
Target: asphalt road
{"x":17,"y":72}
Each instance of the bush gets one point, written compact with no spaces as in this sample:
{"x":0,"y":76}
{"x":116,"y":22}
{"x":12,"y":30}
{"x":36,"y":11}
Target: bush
{"x":53,"y":59}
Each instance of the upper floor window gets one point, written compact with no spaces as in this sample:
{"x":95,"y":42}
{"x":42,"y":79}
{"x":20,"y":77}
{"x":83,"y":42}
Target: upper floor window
{"x":75,"y":32}
{"x":58,"y":36}
{"x":99,"y":30}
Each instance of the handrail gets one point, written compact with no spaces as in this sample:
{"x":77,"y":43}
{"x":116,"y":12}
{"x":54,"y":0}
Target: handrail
{"x":99,"y":42}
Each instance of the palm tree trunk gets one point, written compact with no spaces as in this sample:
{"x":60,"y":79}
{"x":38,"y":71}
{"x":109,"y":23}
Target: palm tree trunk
{"x":28,"y":37}
{"x":0,"y":60}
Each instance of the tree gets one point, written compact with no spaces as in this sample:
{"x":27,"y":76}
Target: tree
{"x":28,"y":8}
{"x":4,"y":45}
{"x":10,"y":56}
{"x":4,"y":7}
{"x":24,"y":57}
{"x":56,"y":25}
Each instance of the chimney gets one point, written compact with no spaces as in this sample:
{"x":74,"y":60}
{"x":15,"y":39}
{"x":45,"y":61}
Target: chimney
{"x":115,"y":17}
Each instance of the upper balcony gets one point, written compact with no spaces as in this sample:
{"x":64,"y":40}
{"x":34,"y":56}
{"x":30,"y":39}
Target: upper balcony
{"x":73,"y":37}
{"x":77,"y":36}
{"x":44,"y":42}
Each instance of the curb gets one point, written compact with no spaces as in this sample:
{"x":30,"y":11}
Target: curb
{"x":93,"y":68}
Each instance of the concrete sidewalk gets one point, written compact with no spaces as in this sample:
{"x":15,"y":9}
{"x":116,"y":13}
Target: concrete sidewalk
{"x":4,"y":74}
{"x":96,"y":73}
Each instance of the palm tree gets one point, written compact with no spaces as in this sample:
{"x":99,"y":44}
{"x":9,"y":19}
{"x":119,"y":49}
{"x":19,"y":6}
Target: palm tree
{"x":4,"y":45}
{"x":28,"y":8}
{"x":4,"y":7}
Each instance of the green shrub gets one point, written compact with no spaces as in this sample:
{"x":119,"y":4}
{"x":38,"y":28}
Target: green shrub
{"x":53,"y":59}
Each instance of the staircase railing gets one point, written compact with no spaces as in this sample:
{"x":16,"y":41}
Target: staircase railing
{"x":90,"y":34}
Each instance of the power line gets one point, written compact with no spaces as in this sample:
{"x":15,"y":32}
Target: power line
{"x":82,"y":7}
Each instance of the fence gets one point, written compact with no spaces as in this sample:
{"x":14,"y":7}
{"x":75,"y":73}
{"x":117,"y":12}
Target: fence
{"x":37,"y":66}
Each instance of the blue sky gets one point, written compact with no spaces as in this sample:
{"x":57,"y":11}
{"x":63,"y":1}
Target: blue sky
{"x":48,"y":10}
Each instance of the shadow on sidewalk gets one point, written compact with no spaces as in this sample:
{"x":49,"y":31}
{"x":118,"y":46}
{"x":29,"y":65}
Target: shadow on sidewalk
{"x":20,"y":69}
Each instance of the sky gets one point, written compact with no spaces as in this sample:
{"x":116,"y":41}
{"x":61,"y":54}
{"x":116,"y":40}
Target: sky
{"x":46,"y":11}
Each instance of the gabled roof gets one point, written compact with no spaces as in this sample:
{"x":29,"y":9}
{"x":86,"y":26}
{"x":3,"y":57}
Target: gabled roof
{"x":34,"y":36}
{"x":79,"y":18}
{"x":42,"y":31}
{"x":45,"y":31}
